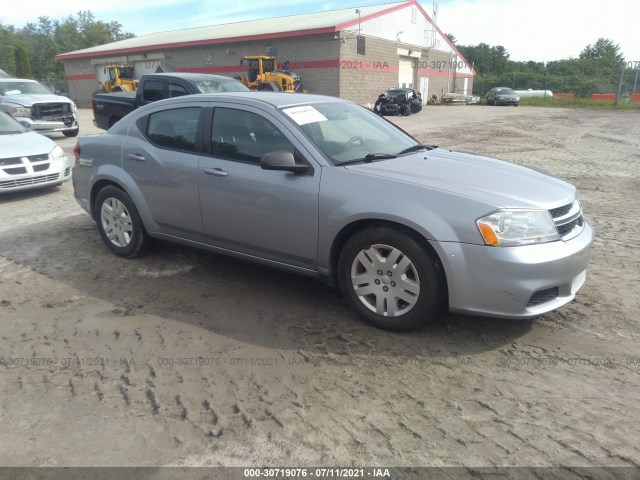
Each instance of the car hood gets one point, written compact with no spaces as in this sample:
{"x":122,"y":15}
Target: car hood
{"x":486,"y":179}
{"x":24,"y":144}
{"x":28,"y":100}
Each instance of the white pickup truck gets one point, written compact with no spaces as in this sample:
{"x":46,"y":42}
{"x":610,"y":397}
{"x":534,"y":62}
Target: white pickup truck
{"x":36,"y":107}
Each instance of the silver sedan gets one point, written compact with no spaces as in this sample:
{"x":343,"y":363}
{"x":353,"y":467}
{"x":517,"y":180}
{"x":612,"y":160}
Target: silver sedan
{"x":325,"y":188}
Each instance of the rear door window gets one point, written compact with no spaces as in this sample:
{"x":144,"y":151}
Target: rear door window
{"x":153,"y":90}
{"x":174,"y":129}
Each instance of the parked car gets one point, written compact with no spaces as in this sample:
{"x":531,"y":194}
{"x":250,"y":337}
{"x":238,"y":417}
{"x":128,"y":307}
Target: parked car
{"x":325,"y":188}
{"x":29,"y":160}
{"x":35,"y":106}
{"x":398,"y":101}
{"x":108,"y":108}
{"x":502,"y":96}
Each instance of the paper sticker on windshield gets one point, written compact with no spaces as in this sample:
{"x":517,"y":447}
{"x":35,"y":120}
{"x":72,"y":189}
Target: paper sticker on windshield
{"x":304,"y":115}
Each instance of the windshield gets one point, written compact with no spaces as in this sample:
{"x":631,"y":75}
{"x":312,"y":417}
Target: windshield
{"x":18,"y":88}
{"x":9,"y":126}
{"x":505,"y":91}
{"x":212,"y":86}
{"x":347,"y":133}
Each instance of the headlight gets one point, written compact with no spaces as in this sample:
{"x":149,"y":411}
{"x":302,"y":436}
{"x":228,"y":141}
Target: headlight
{"x":517,"y":99}
{"x":74,"y":109}
{"x":21,"y":112}
{"x":511,"y":228}
{"x":57,"y":152}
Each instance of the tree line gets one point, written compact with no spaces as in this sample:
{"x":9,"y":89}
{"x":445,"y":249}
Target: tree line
{"x":597,"y":69}
{"x":29,"y":52}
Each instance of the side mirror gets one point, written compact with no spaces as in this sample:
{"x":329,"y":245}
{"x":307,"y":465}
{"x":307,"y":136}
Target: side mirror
{"x":281,"y":160}
{"x":381,"y":95}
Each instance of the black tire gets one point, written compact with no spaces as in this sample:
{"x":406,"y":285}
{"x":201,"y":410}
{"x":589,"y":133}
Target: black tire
{"x":72,"y":133}
{"x":425,"y":302}
{"x":516,"y":104}
{"x":134,"y":244}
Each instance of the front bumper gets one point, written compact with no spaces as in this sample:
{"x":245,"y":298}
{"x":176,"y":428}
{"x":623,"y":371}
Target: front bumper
{"x":507,"y":101}
{"x":50,"y":126}
{"x":510,"y":282}
{"x":57,"y":171}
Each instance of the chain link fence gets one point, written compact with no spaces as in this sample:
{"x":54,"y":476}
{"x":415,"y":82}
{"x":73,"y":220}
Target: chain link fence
{"x":578,"y":85}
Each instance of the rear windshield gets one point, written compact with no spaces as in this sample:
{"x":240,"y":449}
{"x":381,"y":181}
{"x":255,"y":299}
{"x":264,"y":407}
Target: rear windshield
{"x":215,"y":86}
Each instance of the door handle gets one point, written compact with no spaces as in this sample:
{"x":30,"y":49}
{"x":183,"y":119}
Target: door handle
{"x":218,"y":172}
{"x":135,"y":156}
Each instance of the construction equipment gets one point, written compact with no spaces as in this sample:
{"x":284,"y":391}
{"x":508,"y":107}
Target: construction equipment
{"x":119,"y":78}
{"x":263,"y":74}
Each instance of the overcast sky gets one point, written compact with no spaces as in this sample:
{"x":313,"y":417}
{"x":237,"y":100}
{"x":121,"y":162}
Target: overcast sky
{"x":539,"y":30}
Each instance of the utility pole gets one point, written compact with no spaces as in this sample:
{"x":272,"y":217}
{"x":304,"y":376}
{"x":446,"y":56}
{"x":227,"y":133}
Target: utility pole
{"x":619,"y":86}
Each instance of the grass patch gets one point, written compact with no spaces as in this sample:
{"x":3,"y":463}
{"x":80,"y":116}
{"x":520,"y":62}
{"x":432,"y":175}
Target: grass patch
{"x":579,"y":103}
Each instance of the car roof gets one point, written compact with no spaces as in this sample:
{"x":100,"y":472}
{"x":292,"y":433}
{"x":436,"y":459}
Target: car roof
{"x":273,"y":99}
{"x":190,"y":76}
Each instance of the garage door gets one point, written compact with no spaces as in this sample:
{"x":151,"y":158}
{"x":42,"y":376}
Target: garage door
{"x":405,"y":73}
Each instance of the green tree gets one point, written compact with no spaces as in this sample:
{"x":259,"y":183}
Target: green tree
{"x":8,"y":40}
{"x":603,"y":57}
{"x":23,"y":66}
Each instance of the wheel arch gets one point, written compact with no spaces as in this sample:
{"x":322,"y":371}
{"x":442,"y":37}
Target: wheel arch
{"x":121,"y":180}
{"x":350,"y":229}
{"x":95,"y":189}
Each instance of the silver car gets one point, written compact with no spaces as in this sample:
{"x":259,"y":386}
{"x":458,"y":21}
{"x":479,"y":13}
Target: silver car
{"x":325,"y":188}
{"x":29,"y":160}
{"x":503,"y":96}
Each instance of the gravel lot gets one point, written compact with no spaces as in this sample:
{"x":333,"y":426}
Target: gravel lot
{"x":187,"y":358}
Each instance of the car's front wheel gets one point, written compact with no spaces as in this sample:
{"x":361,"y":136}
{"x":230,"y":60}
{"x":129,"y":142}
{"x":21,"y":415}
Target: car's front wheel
{"x":120,"y":224}
{"x":71,"y":133}
{"x":389,"y":278}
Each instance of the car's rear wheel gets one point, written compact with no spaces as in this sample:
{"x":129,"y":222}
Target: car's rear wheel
{"x":120,"y":224}
{"x":389,"y":278}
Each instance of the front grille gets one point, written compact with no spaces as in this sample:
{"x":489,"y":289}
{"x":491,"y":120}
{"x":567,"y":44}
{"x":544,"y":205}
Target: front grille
{"x":567,"y":219}
{"x":543,"y":296}
{"x":40,"y":167}
{"x":29,"y":181}
{"x":560,"y":211}
{"x":18,"y":160}
{"x":10,"y":161}
{"x":50,"y":111}
{"x":15,"y":170}
{"x":38,"y":158}
{"x":567,"y":227}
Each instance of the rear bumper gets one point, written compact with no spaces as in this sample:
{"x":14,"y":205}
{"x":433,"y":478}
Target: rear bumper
{"x":510,"y":282}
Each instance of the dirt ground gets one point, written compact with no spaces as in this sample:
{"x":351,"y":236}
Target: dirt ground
{"x":187,"y":358}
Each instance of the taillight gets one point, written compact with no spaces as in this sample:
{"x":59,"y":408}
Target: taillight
{"x":76,"y":153}
{"x":94,"y":106}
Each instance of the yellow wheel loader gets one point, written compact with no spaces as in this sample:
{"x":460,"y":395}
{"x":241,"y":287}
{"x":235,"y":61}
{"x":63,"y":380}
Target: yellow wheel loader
{"x":120,"y":79}
{"x":263,"y":74}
